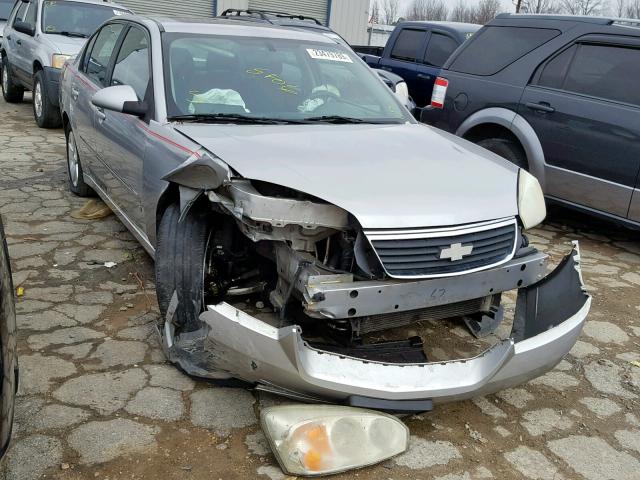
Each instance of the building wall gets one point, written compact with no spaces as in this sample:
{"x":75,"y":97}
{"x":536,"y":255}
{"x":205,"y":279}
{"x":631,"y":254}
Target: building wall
{"x":350,"y":19}
{"x":170,"y":8}
{"x":225,"y":4}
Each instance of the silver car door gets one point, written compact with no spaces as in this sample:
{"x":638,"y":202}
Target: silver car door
{"x":94,"y":78}
{"x":15,"y":51}
{"x":121,"y":137}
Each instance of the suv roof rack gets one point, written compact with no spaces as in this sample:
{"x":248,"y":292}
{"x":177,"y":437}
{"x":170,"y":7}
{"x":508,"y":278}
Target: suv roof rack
{"x":264,"y":15}
{"x":626,"y":22}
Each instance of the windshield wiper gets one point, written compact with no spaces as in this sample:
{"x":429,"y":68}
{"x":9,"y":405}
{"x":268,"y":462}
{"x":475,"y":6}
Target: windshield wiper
{"x":70,"y":34}
{"x":338,"y":119}
{"x":230,"y":118}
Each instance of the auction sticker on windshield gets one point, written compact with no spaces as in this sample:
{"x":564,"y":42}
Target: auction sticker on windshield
{"x":329,"y":55}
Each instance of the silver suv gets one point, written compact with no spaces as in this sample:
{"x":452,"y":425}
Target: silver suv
{"x":40,"y":35}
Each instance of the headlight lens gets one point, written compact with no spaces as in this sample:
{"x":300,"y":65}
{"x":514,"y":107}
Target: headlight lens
{"x":315,"y":440}
{"x":57,"y":61}
{"x":531,"y":204}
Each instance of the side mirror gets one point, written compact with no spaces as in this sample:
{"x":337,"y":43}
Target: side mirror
{"x":122,"y":99}
{"x":24,"y":27}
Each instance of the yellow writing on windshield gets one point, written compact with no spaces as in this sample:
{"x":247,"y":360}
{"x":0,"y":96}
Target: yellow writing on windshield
{"x":275,"y":79}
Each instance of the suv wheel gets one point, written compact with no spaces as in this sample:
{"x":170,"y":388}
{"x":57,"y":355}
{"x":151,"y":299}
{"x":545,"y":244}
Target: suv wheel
{"x":74,"y":168}
{"x":11,"y":92}
{"x":47,"y":115}
{"x":506,"y":149}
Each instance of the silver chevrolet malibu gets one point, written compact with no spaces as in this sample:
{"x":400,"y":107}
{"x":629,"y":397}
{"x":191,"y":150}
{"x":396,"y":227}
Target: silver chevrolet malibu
{"x":301,"y":220}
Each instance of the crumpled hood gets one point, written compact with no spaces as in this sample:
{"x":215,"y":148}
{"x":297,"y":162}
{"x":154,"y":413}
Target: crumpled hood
{"x":387,"y":176}
{"x":65,"y":45}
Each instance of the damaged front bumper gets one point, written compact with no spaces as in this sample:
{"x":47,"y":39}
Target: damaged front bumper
{"x":549,"y":318}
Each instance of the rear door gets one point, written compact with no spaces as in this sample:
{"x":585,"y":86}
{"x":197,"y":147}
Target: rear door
{"x":440,"y":47}
{"x":91,"y":77}
{"x":120,"y":138}
{"x":16,"y":53}
{"x":403,"y":60}
{"x":584,"y":104}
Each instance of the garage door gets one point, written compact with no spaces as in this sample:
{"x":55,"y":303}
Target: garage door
{"x":170,"y":8}
{"x":311,"y":8}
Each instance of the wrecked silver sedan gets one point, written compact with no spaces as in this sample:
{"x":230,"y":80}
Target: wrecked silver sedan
{"x":303,"y":223}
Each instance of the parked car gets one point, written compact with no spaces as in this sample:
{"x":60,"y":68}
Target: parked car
{"x":5,"y":10}
{"x":39,"y":37}
{"x":269,"y":167}
{"x":416,"y":51}
{"x":8,"y":353}
{"x":557,"y":96}
{"x":395,"y":82}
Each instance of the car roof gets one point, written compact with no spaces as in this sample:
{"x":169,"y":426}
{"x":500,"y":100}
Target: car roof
{"x":454,"y":26}
{"x":568,"y":18}
{"x":233,"y":27}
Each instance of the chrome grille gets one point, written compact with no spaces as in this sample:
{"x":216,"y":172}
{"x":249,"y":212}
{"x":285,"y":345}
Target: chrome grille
{"x":418,"y":253}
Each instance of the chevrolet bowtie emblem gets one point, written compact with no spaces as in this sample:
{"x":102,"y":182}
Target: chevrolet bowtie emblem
{"x":456,"y":252}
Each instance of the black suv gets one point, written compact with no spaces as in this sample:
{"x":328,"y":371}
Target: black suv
{"x":557,"y":95}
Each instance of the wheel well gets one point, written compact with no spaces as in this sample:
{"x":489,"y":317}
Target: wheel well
{"x":37,"y":66}
{"x":493,"y":130}
{"x":65,"y":122}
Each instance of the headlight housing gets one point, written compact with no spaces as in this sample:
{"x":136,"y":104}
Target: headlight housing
{"x":314,"y":440}
{"x":531,"y":203}
{"x":57,"y":60}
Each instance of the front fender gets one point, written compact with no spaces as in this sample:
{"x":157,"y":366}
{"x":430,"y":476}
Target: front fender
{"x":517,"y":125}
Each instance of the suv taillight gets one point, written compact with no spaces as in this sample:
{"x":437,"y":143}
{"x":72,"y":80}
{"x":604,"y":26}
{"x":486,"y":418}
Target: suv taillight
{"x":439,"y":92}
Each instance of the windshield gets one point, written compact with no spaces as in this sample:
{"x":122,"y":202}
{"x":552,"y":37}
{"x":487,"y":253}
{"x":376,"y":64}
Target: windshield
{"x":282,"y":79}
{"x":75,"y":18}
{"x":5,"y":8}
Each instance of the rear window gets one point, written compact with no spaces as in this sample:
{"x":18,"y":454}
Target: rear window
{"x":408,"y":44}
{"x":493,"y":48}
{"x":439,"y":49}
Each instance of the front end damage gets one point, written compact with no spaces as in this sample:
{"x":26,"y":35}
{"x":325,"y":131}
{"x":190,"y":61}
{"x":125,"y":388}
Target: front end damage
{"x":324,"y":287}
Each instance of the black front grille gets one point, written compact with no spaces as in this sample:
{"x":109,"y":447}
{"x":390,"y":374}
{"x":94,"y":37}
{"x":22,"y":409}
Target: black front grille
{"x":420,"y":257}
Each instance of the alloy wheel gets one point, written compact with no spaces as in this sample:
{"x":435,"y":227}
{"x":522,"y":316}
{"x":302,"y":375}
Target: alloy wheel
{"x":5,"y":78}
{"x":72,"y":159}
{"x":37,"y":99}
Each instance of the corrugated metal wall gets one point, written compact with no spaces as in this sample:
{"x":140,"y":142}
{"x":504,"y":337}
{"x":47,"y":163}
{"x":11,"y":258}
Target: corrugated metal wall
{"x":170,"y":8}
{"x":350,"y":19}
{"x":312,"y":8}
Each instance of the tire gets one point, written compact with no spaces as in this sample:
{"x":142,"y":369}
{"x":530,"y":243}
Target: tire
{"x":11,"y":92}
{"x":180,"y":264}
{"x":77,"y":186}
{"x":47,"y":115}
{"x":506,"y":149}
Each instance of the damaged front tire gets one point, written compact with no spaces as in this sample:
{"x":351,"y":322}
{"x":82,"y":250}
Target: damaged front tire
{"x":180,"y":264}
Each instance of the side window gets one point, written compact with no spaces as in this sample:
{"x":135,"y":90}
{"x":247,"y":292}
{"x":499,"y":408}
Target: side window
{"x":87,"y":53}
{"x":98,"y":65}
{"x":132,"y":64}
{"x":555,"y":71}
{"x":22,"y":9}
{"x":407,"y":45}
{"x":32,"y":14}
{"x":606,"y":71}
{"x":439,"y":49}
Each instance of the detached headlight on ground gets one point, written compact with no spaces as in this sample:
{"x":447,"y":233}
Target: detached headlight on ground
{"x":57,"y":61}
{"x":531,"y":204}
{"x":315,"y":440}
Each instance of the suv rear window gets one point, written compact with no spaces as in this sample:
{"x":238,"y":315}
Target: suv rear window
{"x":493,"y":48}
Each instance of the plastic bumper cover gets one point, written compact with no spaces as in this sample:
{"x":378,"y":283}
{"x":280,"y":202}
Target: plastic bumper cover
{"x":549,"y":319}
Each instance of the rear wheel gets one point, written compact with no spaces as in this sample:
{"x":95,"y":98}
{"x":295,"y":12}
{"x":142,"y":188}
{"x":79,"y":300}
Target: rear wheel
{"x":74,"y":168}
{"x":11,"y":92}
{"x":506,"y":149}
{"x":47,"y":115}
{"x":181,"y":264}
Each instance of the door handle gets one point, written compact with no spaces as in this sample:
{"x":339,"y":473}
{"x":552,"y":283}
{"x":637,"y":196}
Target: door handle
{"x":424,"y":76}
{"x":101,"y":115}
{"x":74,"y":93}
{"x":540,"y":107}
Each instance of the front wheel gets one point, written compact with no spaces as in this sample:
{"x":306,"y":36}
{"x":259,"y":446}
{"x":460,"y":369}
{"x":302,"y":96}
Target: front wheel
{"x":11,"y":92}
{"x":506,"y":149}
{"x":47,"y":115}
{"x":181,"y":259}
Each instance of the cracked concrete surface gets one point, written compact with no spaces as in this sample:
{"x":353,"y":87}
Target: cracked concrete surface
{"x":97,"y":399}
